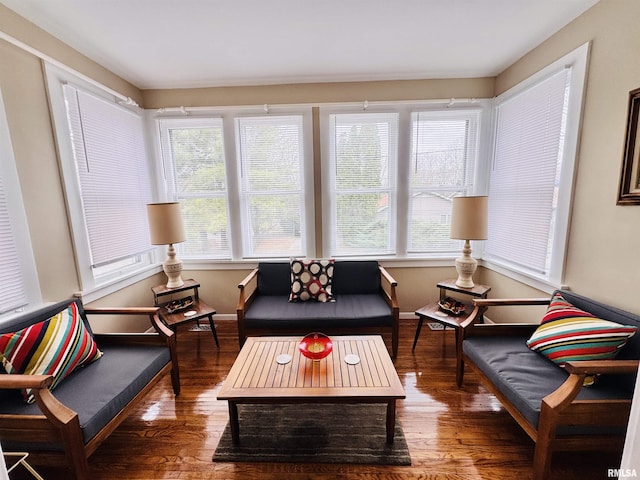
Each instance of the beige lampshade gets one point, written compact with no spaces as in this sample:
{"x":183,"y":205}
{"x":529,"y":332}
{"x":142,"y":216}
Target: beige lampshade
{"x":469,"y":218}
{"x":165,"y":223}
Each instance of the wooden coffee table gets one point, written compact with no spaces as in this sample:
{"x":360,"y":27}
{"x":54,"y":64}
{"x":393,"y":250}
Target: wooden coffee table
{"x":257,"y":377}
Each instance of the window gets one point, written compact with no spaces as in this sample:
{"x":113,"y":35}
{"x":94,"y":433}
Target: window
{"x":389,"y":177}
{"x":270,"y":151}
{"x":194,"y":150}
{"x":19,"y":280}
{"x":106,"y":177}
{"x":363,"y":164}
{"x":443,"y":156}
{"x":244,"y":183}
{"x":536,"y":131}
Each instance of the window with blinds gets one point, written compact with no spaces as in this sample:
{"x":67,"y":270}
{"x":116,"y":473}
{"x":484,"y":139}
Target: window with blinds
{"x":270,"y":152}
{"x":19,"y":281}
{"x":194,"y":150}
{"x":443,"y":156}
{"x":363,"y":164}
{"x":529,"y":137}
{"x":11,"y":281}
{"x":537,"y":125}
{"x":110,"y":159}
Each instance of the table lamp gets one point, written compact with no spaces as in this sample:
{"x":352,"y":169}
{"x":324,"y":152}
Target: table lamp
{"x":166,"y":228}
{"x":468,"y":222}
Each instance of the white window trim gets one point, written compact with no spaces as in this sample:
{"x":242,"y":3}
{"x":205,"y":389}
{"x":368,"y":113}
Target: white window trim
{"x":91,"y":290}
{"x":578,"y":61}
{"x":18,"y":218}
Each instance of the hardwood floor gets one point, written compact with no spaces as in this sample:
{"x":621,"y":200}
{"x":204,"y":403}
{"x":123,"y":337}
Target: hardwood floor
{"x":452,"y":433}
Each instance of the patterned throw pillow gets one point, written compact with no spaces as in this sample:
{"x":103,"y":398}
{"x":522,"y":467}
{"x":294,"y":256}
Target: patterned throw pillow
{"x":568,"y":333}
{"x":56,"y":346}
{"x":311,"y":280}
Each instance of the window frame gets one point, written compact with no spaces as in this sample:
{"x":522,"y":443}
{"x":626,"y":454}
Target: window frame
{"x":123,"y":273}
{"x":17,"y":218}
{"x":578,"y":61}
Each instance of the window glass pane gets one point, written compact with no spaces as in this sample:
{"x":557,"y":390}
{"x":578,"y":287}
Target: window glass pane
{"x":364,"y":161}
{"x":197,"y":158}
{"x":270,"y":150}
{"x":443,"y":154}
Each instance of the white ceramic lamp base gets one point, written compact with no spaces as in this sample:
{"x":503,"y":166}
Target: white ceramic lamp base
{"x":172,"y":267}
{"x":466,"y":266}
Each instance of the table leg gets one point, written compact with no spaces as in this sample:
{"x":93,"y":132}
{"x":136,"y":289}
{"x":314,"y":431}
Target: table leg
{"x":391,"y":420}
{"x":233,"y":422}
{"x":213,"y":330}
{"x":415,"y":339}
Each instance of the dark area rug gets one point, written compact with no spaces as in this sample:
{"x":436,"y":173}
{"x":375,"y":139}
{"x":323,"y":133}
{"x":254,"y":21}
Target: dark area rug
{"x":313,"y":433}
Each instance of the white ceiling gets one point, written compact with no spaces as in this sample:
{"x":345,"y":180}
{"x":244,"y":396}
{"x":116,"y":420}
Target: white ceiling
{"x":197,"y":43}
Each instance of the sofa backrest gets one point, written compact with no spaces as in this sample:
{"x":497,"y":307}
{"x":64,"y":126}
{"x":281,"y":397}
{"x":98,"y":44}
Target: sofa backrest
{"x":43,"y":313}
{"x":350,"y":277}
{"x":631,"y":350}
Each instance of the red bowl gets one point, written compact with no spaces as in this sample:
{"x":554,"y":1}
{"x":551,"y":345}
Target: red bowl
{"x":315,"y":346}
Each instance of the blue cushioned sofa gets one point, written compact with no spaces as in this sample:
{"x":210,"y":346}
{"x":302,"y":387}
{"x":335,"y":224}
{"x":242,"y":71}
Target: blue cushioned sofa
{"x":550,"y":403}
{"x":88,"y":405}
{"x":365,"y":301}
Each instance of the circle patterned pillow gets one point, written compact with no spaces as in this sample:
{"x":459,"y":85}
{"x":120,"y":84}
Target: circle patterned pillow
{"x":311,"y":280}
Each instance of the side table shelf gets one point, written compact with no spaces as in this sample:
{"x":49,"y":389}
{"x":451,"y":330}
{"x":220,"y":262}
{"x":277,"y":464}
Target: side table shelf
{"x":432,"y":311}
{"x":195,"y":312}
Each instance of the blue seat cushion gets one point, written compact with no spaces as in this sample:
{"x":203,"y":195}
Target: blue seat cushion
{"x":98,"y":391}
{"x":276,"y":312}
{"x":525,"y":377}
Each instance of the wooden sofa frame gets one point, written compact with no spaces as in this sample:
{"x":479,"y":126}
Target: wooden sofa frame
{"x":60,"y":424}
{"x":249,"y":288}
{"x":560,"y":408}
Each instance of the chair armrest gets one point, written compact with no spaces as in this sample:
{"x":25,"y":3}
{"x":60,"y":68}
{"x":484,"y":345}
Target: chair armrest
{"x":55,"y":411}
{"x":599,"y":367}
{"x":15,"y":381}
{"x":391,"y":284}
{"x":248,"y":287}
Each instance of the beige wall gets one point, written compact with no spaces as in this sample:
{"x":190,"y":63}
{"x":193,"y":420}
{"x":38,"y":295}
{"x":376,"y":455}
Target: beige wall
{"x":600,"y":260}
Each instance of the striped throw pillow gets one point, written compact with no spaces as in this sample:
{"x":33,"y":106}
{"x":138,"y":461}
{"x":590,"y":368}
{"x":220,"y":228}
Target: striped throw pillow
{"x":568,"y":333}
{"x":56,"y":346}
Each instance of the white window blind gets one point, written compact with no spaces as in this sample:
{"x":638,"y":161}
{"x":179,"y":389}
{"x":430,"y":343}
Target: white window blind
{"x":528,"y":153}
{"x":109,"y":152}
{"x":443,"y":156}
{"x":271,"y":159}
{"x":11,"y":281}
{"x":195,"y":149}
{"x":364,"y":150}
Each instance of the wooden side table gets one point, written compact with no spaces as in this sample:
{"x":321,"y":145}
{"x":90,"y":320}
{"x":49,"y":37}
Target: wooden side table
{"x":433,"y":313}
{"x":195,"y":312}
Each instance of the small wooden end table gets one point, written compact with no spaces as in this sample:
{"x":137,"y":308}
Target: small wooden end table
{"x":195,"y":312}
{"x":433,"y":313}
{"x":257,"y":376}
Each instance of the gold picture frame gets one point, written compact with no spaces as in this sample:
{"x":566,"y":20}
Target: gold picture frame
{"x":629,"y":188}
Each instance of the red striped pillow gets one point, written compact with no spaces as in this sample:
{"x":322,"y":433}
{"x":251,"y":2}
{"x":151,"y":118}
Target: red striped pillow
{"x":56,"y":346}
{"x":568,"y":333}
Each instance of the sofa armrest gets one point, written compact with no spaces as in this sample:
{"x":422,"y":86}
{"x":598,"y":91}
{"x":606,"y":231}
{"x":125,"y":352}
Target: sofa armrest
{"x":165,"y":333}
{"x":248,"y":289}
{"x":600,"y":367}
{"x":388,"y":286}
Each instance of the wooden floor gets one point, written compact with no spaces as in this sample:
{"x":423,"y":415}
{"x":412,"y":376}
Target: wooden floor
{"x":452,"y":433}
